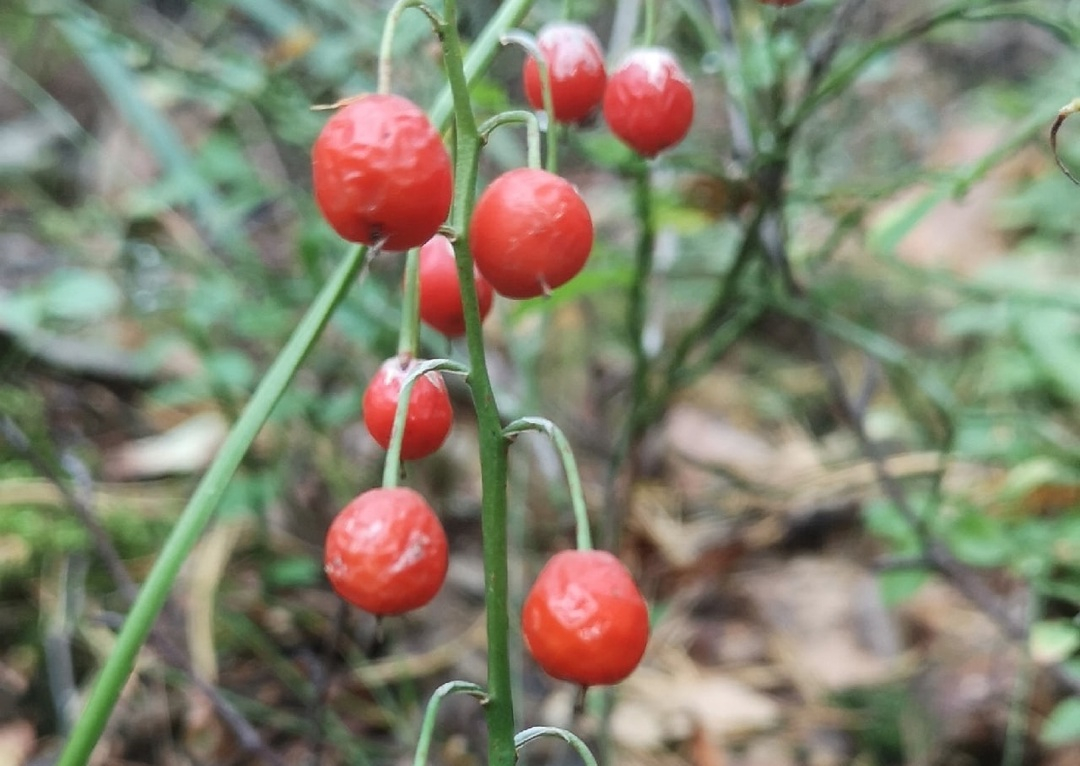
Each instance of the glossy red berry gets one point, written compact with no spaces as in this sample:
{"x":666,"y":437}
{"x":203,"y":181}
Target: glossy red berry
{"x":380,"y":169}
{"x":575,"y":62}
{"x":584,"y":619}
{"x":530,"y":232}
{"x":430,"y":414}
{"x":386,"y":551}
{"x":648,"y":103}
{"x":440,"y":289}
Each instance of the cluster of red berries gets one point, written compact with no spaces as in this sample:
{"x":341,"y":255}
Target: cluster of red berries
{"x":382,"y":175}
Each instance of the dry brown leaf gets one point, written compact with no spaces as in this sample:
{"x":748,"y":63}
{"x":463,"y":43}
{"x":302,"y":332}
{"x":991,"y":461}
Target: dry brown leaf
{"x":822,"y":613}
{"x":656,"y":708}
{"x":186,"y":448}
{"x":16,"y":742}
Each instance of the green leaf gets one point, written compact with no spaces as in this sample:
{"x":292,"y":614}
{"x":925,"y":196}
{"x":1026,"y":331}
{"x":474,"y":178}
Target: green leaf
{"x":898,"y":586}
{"x":898,"y":223}
{"x":1050,"y":336}
{"x":979,"y":539}
{"x":1062,"y":726}
{"x":292,"y":572}
{"x":1052,"y":641}
{"x":80,"y":296}
{"x":230,"y":369}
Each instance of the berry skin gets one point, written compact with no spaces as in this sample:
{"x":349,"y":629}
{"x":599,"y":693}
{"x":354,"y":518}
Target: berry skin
{"x":380,"y":169}
{"x":575,"y":63}
{"x":530,"y":232}
{"x":440,"y":289}
{"x":386,"y":552}
{"x":430,"y":415}
{"x":648,"y":103}
{"x":584,"y":619}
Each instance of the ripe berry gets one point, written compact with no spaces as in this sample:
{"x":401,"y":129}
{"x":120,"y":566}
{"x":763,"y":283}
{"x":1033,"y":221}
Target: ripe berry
{"x":386,"y":551}
{"x":440,"y":289}
{"x":380,"y":169}
{"x":530,"y":232}
{"x":430,"y":415}
{"x":648,"y":103}
{"x":575,"y":64}
{"x":584,"y":619}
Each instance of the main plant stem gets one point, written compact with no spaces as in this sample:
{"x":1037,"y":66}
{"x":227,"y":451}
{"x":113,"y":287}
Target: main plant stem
{"x":499,"y":708}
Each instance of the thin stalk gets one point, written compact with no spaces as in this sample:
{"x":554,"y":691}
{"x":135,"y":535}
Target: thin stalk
{"x":569,"y":737}
{"x":1063,"y":114}
{"x":648,"y":33}
{"x":409,"y":334}
{"x":392,"y":467}
{"x":573,"y":477}
{"x":200,"y":508}
{"x":386,"y":45}
{"x":499,"y":711}
{"x":532,"y":131}
{"x":528,"y":43}
{"x":427,"y":729}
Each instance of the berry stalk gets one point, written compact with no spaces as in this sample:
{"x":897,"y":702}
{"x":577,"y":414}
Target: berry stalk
{"x":573,"y":478}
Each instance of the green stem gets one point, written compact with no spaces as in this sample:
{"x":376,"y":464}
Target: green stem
{"x":648,"y":35}
{"x":499,"y":710}
{"x":427,"y":729}
{"x":409,"y":334}
{"x":573,"y":478}
{"x":532,"y":131}
{"x":528,"y":43}
{"x":200,"y":508}
{"x":386,"y":45}
{"x":392,"y":468}
{"x":481,"y":54}
{"x":569,"y":737}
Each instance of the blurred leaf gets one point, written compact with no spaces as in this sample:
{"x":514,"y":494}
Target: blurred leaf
{"x":1062,"y":726}
{"x":231,"y":370}
{"x":99,"y":49}
{"x":339,"y":408}
{"x":1051,"y":641}
{"x":1051,"y":336}
{"x":21,"y":312}
{"x":979,"y":539}
{"x":292,"y":572}
{"x":897,"y":586}
{"x":79,"y":295}
{"x":883,"y":520}
{"x":886,"y":236}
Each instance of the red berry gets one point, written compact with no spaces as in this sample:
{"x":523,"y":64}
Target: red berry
{"x":530,"y":232}
{"x":584,"y":619}
{"x":430,"y":414}
{"x":386,"y":551}
{"x":648,"y":103}
{"x":575,"y":63}
{"x":440,"y":289}
{"x":380,"y":169}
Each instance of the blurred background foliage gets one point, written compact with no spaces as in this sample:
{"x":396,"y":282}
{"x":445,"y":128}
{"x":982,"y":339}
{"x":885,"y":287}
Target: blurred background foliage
{"x":158,"y":243}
